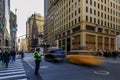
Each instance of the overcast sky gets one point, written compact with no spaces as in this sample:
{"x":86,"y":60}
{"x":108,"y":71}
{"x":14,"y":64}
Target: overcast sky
{"x":25,"y":8}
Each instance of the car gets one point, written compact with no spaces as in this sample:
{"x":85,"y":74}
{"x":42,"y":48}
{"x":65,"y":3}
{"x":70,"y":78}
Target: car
{"x":85,"y":59}
{"x":55,"y":55}
{"x":84,"y":55}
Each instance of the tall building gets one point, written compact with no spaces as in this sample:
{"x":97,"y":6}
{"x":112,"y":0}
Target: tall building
{"x":90,"y":23}
{"x":34,"y":31}
{"x":13,"y":30}
{"x":4,"y":24}
{"x":45,"y":7}
{"x":23,"y":45}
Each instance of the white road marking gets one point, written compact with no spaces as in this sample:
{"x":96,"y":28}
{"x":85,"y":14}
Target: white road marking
{"x":101,"y":72}
{"x":44,"y":67}
{"x":12,"y":70}
{"x":13,"y":76}
{"x":29,"y":64}
{"x":12,"y":73}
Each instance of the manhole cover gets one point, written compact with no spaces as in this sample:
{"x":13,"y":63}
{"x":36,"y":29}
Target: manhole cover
{"x":44,"y":67}
{"x":101,"y":72}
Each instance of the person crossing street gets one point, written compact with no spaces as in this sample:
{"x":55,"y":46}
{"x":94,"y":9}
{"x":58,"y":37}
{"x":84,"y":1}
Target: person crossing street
{"x":6,"y":58}
{"x":37,"y":57}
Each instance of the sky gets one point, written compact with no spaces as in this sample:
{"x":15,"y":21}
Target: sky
{"x":25,"y":8}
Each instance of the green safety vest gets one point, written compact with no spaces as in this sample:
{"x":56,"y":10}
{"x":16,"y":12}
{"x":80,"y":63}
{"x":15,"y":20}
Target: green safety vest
{"x":38,"y":56}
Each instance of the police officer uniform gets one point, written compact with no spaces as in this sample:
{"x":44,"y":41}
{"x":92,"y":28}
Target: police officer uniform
{"x":37,"y":57}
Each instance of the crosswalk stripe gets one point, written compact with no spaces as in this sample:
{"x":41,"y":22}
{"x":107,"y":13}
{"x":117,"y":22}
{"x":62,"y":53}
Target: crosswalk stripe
{"x":12,"y":70}
{"x":13,"y":76}
{"x":15,"y":67}
{"x":15,"y":64}
{"x":12,"y":73}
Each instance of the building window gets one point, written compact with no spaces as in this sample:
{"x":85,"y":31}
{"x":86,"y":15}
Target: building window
{"x":105,"y":1}
{"x":95,"y":20}
{"x":98,"y":5}
{"x":117,"y":33}
{"x":98,"y":21}
{"x":94,"y":4}
{"x":79,"y":10}
{"x":72,"y":23}
{"x":86,"y":18}
{"x":91,"y":28}
{"x":86,"y":1}
{"x":76,"y":29}
{"x":105,"y":23}
{"x":102,"y":15}
{"x":91,"y":19}
{"x":94,"y":12}
{"x":90,"y":11}
{"x":102,"y":7}
{"x":98,"y":13}
{"x":86,"y":9}
{"x":105,"y":8}
{"x":75,"y":13}
{"x":79,"y":19}
{"x":72,"y":15}
{"x":101,"y":22}
{"x":75,"y":21}
{"x":90,"y":2}
{"x":100,"y":30}
{"x":105,"y":16}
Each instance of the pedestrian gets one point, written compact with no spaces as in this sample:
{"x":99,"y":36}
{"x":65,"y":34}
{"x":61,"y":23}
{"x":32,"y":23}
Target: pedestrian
{"x":13,"y":55}
{"x":6,"y":58}
{"x":22,"y":54}
{"x":1,"y":58}
{"x":37,"y":57}
{"x":0,"y":54}
{"x":119,"y":52}
{"x":114,"y":54}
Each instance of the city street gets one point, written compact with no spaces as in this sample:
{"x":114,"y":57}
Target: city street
{"x":74,"y":31}
{"x":66,"y":71}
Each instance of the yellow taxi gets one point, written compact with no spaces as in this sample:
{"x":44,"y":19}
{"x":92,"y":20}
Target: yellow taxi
{"x":84,"y":56}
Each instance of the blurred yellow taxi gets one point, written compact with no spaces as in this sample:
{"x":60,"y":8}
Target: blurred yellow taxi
{"x":84,"y":57}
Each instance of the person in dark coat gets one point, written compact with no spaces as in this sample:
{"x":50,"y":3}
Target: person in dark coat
{"x":6,"y":58}
{"x":114,"y":54}
{"x":1,"y":55}
{"x":13,"y":54}
{"x":37,"y":57}
{"x":22,"y":54}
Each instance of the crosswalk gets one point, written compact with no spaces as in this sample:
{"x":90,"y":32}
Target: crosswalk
{"x":15,"y":71}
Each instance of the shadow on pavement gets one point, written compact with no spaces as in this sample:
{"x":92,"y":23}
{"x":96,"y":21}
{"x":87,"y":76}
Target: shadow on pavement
{"x":30,"y":72}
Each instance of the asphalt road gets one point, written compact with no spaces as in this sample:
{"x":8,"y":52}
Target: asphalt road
{"x":67,"y":71}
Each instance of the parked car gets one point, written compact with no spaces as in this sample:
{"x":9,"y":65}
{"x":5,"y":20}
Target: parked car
{"x":55,"y":55}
